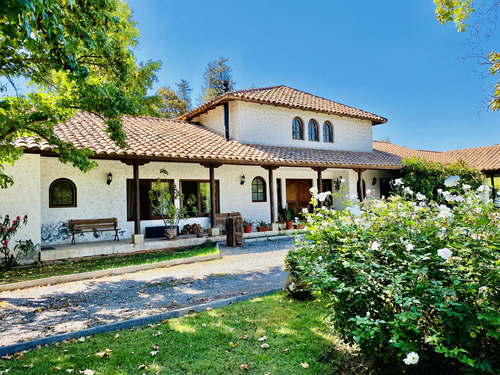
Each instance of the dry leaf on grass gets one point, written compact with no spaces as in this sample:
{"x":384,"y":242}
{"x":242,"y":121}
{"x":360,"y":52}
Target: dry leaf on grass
{"x":263,"y":338}
{"x":304,"y":365}
{"x":245,"y":337}
{"x":233,"y":344}
{"x":265,"y":346}
{"x":286,"y":351}
{"x":142,"y":367}
{"x":244,"y":367}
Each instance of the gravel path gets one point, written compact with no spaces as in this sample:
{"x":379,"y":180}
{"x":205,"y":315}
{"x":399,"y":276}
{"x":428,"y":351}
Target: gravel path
{"x":38,"y":312}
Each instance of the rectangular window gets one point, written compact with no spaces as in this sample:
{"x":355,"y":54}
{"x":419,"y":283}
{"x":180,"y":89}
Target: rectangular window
{"x":145,"y":185}
{"x":200,"y":189}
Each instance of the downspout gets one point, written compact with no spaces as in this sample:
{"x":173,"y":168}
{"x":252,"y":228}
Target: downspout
{"x":225,"y":88}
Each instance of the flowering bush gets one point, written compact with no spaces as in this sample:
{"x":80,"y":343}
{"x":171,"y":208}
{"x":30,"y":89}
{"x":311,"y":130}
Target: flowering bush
{"x":408,"y":280}
{"x":7,"y":230}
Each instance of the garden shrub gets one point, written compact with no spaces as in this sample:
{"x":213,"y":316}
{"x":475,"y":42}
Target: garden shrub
{"x":427,"y":177}
{"x":409,"y":280}
{"x":7,"y":230}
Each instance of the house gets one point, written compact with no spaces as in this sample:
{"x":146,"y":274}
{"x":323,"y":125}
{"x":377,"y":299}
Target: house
{"x":485,"y":159}
{"x":261,"y":149}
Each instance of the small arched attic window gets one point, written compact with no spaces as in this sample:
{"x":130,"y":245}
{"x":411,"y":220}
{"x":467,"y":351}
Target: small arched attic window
{"x":313,"y":130}
{"x":327,"y":132}
{"x":62,"y":193}
{"x":297,"y":128}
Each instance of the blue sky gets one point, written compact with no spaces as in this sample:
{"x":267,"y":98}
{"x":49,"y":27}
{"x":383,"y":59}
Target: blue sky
{"x":388,"y":57}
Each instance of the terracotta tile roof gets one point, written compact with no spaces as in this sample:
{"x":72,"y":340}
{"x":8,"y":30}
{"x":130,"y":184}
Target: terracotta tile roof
{"x":174,"y":140}
{"x":486,"y":159}
{"x":407,"y":153}
{"x":483,"y":158}
{"x":287,"y":97}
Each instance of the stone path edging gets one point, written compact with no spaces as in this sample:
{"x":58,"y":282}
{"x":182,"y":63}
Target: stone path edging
{"x":108,"y":272}
{"x":127,"y":324}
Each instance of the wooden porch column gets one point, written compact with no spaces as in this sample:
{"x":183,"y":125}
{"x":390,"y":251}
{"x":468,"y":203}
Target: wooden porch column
{"x":137,"y":219}
{"x":360,"y":184}
{"x":212,"y":196}
{"x":270,"y":169}
{"x":493,"y":190}
{"x":320,"y":181}
{"x":211,"y":167}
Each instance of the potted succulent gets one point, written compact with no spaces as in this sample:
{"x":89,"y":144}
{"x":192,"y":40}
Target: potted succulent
{"x":163,"y":196}
{"x":262,"y":226}
{"x":247,"y":226}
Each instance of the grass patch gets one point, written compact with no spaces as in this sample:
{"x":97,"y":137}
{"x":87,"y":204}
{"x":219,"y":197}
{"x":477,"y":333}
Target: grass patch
{"x":211,"y":342}
{"x":101,"y":263}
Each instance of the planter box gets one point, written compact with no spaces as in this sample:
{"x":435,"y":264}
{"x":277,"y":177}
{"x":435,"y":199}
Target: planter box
{"x":157,"y":232}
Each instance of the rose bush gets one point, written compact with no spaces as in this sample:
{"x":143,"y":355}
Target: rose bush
{"x":7,"y":230}
{"x":411,"y":282}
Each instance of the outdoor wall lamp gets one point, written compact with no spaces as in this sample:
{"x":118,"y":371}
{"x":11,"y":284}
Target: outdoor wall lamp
{"x":374,"y":180}
{"x":243,"y":179}
{"x":337,"y":183}
{"x":109,"y":178}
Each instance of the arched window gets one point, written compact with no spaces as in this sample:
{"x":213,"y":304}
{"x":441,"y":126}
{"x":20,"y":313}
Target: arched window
{"x":327,"y":132}
{"x":62,"y":193}
{"x":297,"y":129}
{"x":313,"y":130}
{"x":258,"y":190}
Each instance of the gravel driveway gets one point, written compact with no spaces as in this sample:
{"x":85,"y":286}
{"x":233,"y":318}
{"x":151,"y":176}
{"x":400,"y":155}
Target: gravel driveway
{"x":43,"y":311}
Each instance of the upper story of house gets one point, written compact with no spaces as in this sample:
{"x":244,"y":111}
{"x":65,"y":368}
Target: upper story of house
{"x":285,"y":117}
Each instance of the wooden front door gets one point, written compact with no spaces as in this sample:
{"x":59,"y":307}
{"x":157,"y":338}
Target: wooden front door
{"x":297,"y":194}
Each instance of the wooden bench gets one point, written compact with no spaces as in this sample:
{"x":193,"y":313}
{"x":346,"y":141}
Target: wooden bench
{"x":93,"y":225}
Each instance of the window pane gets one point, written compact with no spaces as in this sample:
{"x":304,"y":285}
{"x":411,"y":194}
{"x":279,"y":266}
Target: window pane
{"x":205,"y":197}
{"x":189,"y":188}
{"x":159,"y":203}
{"x":62,"y":194}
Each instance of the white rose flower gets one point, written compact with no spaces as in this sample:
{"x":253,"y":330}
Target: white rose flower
{"x":411,"y":359}
{"x":322,"y":196}
{"x":313,"y":191}
{"x":421,"y":197}
{"x":397,"y":182}
{"x":444,"y":253}
{"x":409,"y":247}
{"x":466,"y":187}
{"x":354,"y":210}
{"x":452,"y":181}
{"x":375,"y":245}
{"x":407,"y":190}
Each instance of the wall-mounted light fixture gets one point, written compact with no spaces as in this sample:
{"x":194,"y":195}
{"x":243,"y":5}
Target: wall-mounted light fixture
{"x":374,"y":181}
{"x":337,"y":183}
{"x":243,"y":179}
{"x":109,"y":178}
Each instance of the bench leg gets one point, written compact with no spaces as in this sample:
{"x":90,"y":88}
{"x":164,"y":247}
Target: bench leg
{"x":73,"y":239}
{"x":116,"y":235}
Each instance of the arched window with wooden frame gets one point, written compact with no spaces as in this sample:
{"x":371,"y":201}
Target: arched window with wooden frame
{"x":297,"y":129}
{"x":312,"y":128}
{"x":327,"y":132}
{"x":62,"y":193}
{"x":258,"y":189}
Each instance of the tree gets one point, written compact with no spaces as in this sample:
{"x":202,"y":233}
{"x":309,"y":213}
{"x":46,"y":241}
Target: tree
{"x":184,"y":93}
{"x":75,"y":55}
{"x":217,"y":72}
{"x":171,"y":105}
{"x":460,"y":11}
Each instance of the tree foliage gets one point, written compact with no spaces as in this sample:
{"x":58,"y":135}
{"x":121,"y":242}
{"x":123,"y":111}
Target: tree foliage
{"x":75,"y":55}
{"x":216,"y":73}
{"x":172,"y":104}
{"x":484,"y":20}
{"x":428,"y":177}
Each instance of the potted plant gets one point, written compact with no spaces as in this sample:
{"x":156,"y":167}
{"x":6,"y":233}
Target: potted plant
{"x":298,"y":225}
{"x":247,"y":226}
{"x":288,"y":218}
{"x":163,"y":196}
{"x":262,"y":226}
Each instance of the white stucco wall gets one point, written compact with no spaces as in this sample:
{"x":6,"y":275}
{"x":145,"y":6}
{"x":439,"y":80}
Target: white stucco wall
{"x":96,"y":199}
{"x":23,"y":198}
{"x":269,"y":125}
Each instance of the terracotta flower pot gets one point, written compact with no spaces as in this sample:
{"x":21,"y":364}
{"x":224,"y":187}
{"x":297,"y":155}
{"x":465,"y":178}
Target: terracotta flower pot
{"x":289,"y":224}
{"x":247,"y":228}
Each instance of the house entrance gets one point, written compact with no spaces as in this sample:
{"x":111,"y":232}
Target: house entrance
{"x":297,"y":194}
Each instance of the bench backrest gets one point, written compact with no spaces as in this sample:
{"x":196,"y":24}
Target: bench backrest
{"x":93,"y":223}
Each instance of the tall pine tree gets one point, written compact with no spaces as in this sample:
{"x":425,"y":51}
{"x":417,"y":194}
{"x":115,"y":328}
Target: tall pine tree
{"x":184,"y":93}
{"x":217,"y":72}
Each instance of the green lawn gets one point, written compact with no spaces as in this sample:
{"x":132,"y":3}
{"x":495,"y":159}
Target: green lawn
{"x":102,"y":263}
{"x":222,"y":341}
